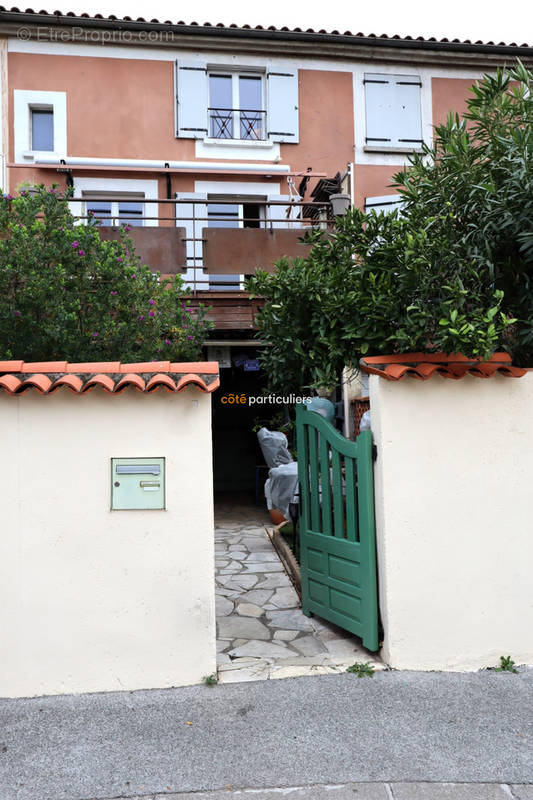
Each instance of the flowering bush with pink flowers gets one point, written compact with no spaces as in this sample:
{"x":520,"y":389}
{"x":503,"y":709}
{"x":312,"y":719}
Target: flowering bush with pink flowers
{"x":66,"y":294}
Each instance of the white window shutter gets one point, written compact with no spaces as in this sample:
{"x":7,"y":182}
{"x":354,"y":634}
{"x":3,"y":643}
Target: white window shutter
{"x":193,"y":217}
{"x":378,"y":105}
{"x":386,"y":203}
{"x":191,"y":99}
{"x":282,"y":106}
{"x":393,"y":112}
{"x":406,"y":112}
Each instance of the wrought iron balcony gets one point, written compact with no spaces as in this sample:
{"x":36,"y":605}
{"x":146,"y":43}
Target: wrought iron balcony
{"x":237,"y":123}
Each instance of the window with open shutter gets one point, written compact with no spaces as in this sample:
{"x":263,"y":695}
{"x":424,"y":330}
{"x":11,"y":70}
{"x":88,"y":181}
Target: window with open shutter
{"x":393,"y":111}
{"x":386,"y":203}
{"x":191,"y":99}
{"x":282,"y":106}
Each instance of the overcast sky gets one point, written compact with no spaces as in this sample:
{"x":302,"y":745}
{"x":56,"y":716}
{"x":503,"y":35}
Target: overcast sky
{"x":462,"y":19}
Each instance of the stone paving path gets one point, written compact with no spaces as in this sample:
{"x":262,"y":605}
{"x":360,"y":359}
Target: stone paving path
{"x":261,"y":630}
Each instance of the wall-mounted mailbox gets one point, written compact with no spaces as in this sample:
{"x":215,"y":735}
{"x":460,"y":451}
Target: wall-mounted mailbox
{"x":137,"y":483}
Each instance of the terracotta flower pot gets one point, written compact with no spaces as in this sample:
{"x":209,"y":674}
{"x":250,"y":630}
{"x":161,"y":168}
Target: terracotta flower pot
{"x":276,"y":516}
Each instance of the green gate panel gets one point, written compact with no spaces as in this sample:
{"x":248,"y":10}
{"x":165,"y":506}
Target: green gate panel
{"x":337,"y":529}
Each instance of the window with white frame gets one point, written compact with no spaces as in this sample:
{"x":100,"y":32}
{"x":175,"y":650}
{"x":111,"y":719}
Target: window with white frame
{"x":115,"y":211}
{"x":243,"y":105}
{"x":393,"y":111}
{"x":385,"y":203}
{"x":42,"y":128}
{"x":40,"y":124}
{"x":236,"y":106}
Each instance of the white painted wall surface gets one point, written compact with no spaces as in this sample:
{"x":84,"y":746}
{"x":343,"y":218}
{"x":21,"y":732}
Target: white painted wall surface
{"x":92,"y":599}
{"x":454,"y":500}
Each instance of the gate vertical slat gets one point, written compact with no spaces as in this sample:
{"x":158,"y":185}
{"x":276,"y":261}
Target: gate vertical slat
{"x":325,"y":486}
{"x":352,"y":532}
{"x":303,"y":471}
{"x":315,"y":486}
{"x":367,"y":537}
{"x":338,"y":505}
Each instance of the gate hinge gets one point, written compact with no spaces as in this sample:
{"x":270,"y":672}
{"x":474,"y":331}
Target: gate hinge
{"x":374,"y":452}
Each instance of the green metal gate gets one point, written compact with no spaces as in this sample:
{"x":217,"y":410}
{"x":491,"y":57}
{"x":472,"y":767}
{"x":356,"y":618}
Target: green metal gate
{"x":337,"y":531}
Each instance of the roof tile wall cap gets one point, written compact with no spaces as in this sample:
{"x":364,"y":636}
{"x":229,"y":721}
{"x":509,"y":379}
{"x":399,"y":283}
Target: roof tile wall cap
{"x":40,"y":382}
{"x":44,"y":366}
{"x":131,"y":379}
{"x":109,"y":367}
{"x":145,"y":366}
{"x":10,"y":383}
{"x":72,"y":382}
{"x":11,"y":366}
{"x":431,"y":358}
{"x":102,"y":380}
{"x":204,"y":367}
{"x":186,"y":380}
{"x":94,"y":366}
{"x":161,"y":379}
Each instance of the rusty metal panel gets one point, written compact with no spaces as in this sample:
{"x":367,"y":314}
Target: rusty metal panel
{"x":162,"y":249}
{"x":243,"y":250}
{"x":229,"y":312}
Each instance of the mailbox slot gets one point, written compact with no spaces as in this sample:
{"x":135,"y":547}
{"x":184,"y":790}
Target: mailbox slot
{"x":138,"y":469}
{"x":133,"y":486}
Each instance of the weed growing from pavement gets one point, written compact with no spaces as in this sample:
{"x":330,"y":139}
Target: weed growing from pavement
{"x":210,"y":680}
{"x":506,"y":665}
{"x":362,"y":669}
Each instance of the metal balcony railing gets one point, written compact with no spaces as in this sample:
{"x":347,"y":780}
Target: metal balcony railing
{"x":237,"y":123}
{"x":213,"y":243}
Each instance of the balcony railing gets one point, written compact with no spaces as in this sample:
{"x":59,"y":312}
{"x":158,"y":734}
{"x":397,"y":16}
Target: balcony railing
{"x":237,"y":123}
{"x":215,"y":243}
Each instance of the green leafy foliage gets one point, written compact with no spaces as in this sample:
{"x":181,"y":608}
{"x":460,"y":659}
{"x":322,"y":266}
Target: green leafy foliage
{"x":210,"y":680}
{"x":506,"y":665}
{"x":451,"y":272}
{"x":362,"y":669}
{"x":66,"y":294}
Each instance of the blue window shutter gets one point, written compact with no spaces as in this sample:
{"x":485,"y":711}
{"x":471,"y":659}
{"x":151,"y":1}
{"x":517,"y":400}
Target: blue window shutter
{"x":191,"y":99}
{"x":378,"y":105}
{"x":282,"y":105}
{"x":406,"y":111}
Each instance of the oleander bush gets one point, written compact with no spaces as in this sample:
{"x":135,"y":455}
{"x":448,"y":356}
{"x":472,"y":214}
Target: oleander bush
{"x":66,"y":294}
{"x":451,"y":271}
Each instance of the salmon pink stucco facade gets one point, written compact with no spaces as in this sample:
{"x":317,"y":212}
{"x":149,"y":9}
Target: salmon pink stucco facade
{"x":200,"y":126}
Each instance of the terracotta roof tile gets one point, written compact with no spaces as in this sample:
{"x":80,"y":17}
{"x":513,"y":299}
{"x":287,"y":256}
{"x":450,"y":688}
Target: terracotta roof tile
{"x":422,"y":366}
{"x":16,"y":377}
{"x":15,"y":13}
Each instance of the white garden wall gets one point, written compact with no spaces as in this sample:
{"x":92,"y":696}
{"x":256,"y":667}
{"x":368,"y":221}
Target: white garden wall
{"x":92,"y":599}
{"x":454,"y":517}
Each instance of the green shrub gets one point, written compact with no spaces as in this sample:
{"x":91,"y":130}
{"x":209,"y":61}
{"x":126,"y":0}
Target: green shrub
{"x":451,"y":272}
{"x":66,"y":294}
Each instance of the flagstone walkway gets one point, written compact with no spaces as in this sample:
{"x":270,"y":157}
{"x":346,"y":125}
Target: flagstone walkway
{"x":261,"y":630}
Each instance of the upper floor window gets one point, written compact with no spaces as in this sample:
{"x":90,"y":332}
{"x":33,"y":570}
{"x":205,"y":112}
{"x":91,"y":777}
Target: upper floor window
{"x":42,"y":129}
{"x":385,"y":203}
{"x":393,"y":112}
{"x":39,"y":124}
{"x":116,"y":212}
{"x":236,"y":106}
